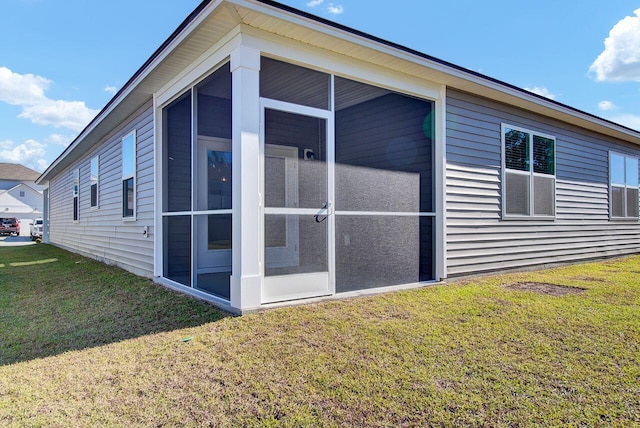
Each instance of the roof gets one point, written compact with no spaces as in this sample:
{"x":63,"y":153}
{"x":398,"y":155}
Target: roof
{"x":17,"y":172}
{"x":212,"y":20}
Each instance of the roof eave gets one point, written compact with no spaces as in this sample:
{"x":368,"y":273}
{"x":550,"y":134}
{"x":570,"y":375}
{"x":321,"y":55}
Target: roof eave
{"x":450,"y":74}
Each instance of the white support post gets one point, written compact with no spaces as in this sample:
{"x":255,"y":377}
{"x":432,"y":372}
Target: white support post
{"x":246,"y":279}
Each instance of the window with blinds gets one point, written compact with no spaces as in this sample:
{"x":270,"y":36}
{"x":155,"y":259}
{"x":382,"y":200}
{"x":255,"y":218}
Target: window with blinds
{"x":623,"y":186}
{"x":529,"y":173}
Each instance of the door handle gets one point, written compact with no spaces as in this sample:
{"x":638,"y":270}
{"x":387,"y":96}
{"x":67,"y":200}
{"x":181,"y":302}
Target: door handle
{"x":317,"y":216}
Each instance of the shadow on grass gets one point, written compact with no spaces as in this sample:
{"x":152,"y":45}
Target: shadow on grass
{"x":53,"y":301}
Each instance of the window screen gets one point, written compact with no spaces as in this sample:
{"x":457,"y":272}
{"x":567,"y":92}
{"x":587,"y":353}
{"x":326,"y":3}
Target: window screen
{"x":530,"y":191}
{"x":543,"y":196}
{"x":517,"y":200}
{"x":623,"y":183}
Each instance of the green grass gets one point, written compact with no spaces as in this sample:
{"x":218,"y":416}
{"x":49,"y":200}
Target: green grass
{"x":89,"y":345}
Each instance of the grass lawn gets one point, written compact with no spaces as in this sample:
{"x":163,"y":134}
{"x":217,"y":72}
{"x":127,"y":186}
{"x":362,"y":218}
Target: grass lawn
{"x":86,"y":344}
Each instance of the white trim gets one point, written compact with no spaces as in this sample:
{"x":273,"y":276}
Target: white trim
{"x":267,"y":103}
{"x":246,"y":280}
{"x":331,"y":186}
{"x":208,"y":63}
{"x":352,"y":294}
{"x":530,"y":173}
{"x":386,"y":213}
{"x":304,"y":55}
{"x":208,"y":297}
{"x":293,"y":286}
{"x":158,"y":186}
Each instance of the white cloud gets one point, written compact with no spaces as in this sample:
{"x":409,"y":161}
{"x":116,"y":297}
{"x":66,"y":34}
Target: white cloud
{"x":335,"y":9}
{"x":30,"y":153}
{"x":620,"y":60}
{"x":541,"y":90}
{"x":21,"y":89}
{"x":314,"y":3}
{"x":59,"y":139}
{"x":111,"y":89}
{"x":629,"y":120}
{"x":607,"y":105}
{"x":73,"y":115}
{"x":28,"y":92}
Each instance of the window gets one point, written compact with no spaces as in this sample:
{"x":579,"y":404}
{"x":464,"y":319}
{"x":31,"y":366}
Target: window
{"x":623,"y":180}
{"x":529,"y":178}
{"x":128,"y":176}
{"x":76,"y":192}
{"x":93,"y":182}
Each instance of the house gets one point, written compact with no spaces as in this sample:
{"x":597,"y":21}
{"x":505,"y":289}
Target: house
{"x":20,"y":197}
{"x":263,"y":154}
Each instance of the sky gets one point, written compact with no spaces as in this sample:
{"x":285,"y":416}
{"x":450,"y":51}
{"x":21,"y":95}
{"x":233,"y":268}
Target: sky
{"x":62,"y":60}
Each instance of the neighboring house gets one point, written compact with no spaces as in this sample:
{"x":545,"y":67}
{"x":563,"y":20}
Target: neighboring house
{"x":263,"y":154}
{"x":19,"y":195}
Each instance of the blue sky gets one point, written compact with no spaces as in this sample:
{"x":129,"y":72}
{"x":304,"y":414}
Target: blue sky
{"x":61,"y":61}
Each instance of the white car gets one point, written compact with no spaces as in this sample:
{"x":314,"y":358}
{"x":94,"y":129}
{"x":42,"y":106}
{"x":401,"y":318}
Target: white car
{"x":36,"y":229}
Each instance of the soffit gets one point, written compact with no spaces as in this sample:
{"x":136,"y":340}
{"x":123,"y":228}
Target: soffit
{"x":217,"y":18}
{"x":366,"y":48}
{"x":216,"y":22}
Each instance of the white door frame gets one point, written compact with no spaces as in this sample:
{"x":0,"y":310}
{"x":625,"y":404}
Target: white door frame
{"x":299,"y":286}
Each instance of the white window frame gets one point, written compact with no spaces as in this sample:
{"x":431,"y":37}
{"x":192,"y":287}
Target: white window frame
{"x":625,"y":187}
{"x":75,"y":195}
{"x":531,"y":174}
{"x":131,"y":134}
{"x":94,"y":179}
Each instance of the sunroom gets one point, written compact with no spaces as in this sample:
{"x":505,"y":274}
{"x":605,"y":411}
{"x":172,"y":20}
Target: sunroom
{"x":281,"y":179}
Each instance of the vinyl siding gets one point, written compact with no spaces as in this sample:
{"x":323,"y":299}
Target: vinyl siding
{"x":478,"y":240}
{"x":101,"y":232}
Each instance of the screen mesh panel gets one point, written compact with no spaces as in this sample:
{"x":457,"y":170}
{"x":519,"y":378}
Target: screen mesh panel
{"x":632,"y":202}
{"x":617,"y":201}
{"x":544,"y":196}
{"x":517,"y":194}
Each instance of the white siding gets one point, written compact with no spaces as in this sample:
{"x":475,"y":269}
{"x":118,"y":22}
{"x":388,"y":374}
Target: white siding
{"x":478,"y":240}
{"x":101,"y":233}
